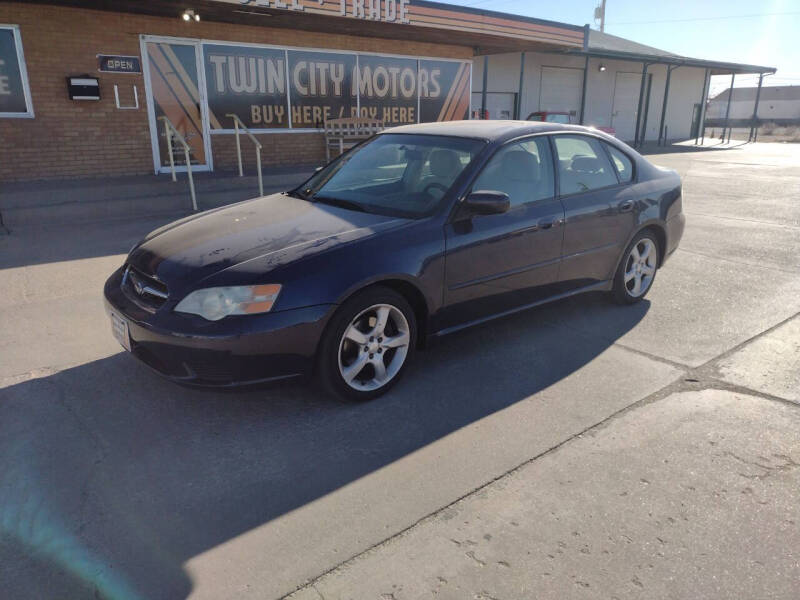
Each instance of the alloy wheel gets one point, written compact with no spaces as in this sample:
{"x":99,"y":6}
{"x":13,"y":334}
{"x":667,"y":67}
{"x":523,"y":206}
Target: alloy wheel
{"x":374,"y":347}
{"x":640,"y":267}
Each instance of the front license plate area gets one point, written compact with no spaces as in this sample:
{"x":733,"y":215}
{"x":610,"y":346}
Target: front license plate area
{"x":119,"y":327}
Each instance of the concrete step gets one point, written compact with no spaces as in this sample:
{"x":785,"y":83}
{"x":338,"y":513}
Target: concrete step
{"x":98,"y":199}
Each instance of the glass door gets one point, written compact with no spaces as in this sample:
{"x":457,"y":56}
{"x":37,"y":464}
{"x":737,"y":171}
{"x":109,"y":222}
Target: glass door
{"x":175,"y":90}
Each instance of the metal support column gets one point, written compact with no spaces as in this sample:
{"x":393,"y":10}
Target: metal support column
{"x":754,"y":120}
{"x":646,"y":109}
{"x":583,"y":89}
{"x":728,"y":109}
{"x":704,"y":106}
{"x":483,"y":90}
{"x":641,"y":99}
{"x":700,"y":135}
{"x":661,"y":133}
{"x":521,"y":85}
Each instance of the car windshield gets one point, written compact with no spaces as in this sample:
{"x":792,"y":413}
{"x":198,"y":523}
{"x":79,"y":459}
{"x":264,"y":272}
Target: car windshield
{"x":395,"y":174}
{"x":556,"y":118}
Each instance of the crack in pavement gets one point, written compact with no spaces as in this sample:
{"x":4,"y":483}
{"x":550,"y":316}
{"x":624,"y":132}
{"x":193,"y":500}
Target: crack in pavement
{"x":690,"y":380}
{"x":753,"y":221}
{"x":738,"y":262}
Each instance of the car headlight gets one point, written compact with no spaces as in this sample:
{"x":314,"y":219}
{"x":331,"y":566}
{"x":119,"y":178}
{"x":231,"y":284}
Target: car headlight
{"x":218,"y":302}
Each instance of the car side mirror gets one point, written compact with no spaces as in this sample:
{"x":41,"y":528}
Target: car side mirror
{"x":318,"y":169}
{"x":487,"y":202}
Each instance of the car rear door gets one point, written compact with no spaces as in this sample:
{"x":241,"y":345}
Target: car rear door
{"x":598,"y":210}
{"x":498,"y":262}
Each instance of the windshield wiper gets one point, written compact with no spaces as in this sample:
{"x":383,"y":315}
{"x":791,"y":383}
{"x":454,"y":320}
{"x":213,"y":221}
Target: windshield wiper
{"x":339,"y":202}
{"x":296,"y":193}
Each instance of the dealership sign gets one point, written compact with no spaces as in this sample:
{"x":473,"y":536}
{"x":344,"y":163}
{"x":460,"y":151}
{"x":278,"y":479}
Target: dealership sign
{"x":14,"y":94}
{"x":451,"y":18}
{"x":390,"y":11}
{"x":273,"y":88}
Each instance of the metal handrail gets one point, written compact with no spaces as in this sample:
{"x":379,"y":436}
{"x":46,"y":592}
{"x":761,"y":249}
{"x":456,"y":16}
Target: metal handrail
{"x":237,"y":123}
{"x":169,"y":131}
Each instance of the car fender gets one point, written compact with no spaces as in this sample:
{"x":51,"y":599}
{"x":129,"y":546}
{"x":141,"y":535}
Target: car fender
{"x":651,"y":223}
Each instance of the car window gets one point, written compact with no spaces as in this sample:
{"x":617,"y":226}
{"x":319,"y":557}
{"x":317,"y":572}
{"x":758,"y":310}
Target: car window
{"x":558,"y":118}
{"x":394,"y":174}
{"x":523,"y":170}
{"x":582,"y":164}
{"x":621,"y":162}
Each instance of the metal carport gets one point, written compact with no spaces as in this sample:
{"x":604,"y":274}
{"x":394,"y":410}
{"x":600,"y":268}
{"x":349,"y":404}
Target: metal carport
{"x":603,"y":45}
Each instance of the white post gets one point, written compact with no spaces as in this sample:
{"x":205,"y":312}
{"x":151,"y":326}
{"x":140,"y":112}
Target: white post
{"x":191,"y":180}
{"x":238,"y":147}
{"x":260,"y":179}
{"x":168,"y":133}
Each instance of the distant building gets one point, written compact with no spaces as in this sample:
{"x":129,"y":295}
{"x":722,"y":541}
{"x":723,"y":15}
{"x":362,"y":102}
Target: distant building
{"x":779,"y":103}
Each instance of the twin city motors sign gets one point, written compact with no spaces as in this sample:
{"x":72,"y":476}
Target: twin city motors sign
{"x":270,"y":88}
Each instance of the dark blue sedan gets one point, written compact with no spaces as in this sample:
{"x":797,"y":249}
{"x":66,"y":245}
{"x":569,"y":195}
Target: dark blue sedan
{"x":419,"y":232}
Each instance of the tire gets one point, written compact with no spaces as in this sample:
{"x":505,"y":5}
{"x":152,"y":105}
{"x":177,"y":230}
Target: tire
{"x":637,"y":269}
{"x":354,"y":345}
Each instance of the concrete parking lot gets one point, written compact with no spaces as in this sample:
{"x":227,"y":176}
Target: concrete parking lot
{"x":581,"y":450}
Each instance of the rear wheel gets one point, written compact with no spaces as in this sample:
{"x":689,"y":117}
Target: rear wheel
{"x":367,"y":345}
{"x":637,"y":270}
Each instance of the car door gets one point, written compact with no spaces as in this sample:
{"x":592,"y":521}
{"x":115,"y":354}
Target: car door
{"x":598,"y":210}
{"x":498,"y":262}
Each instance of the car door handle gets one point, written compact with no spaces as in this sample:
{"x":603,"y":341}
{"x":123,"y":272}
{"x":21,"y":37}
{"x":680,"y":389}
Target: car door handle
{"x":548,"y":223}
{"x":626,"y":206}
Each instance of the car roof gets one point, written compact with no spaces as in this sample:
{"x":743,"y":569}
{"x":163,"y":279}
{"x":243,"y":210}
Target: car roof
{"x":489,"y":130}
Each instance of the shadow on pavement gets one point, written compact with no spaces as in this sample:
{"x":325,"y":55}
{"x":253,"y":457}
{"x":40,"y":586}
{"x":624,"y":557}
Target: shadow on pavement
{"x":25,"y":246}
{"x":112,"y":478}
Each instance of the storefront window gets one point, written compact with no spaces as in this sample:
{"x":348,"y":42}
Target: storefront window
{"x":15,"y":96}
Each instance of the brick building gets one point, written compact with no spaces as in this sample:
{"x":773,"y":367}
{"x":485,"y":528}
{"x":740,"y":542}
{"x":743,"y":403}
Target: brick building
{"x":173,"y":75}
{"x":284,"y":66}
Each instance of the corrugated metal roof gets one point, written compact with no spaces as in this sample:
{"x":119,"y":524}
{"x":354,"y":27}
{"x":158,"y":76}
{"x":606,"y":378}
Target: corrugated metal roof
{"x":603,"y":41}
{"x":610,"y":46}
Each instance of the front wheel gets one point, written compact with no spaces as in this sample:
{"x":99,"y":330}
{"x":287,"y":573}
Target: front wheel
{"x":367,"y":345}
{"x":637,"y":269}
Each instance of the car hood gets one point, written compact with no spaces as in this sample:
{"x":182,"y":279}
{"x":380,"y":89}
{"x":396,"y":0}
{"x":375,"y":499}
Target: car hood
{"x":265,"y":233}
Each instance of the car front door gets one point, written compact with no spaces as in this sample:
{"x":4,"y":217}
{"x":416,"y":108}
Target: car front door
{"x":498,"y":262}
{"x":599,"y":211}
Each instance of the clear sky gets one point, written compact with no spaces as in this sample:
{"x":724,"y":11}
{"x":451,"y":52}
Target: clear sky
{"x":761,"y":32}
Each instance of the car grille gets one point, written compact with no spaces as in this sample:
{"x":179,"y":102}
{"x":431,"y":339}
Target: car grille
{"x":212,"y":368}
{"x":146,"y":291}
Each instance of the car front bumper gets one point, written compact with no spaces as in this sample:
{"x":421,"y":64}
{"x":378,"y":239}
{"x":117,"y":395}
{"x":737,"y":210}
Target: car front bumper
{"x":235,"y":351}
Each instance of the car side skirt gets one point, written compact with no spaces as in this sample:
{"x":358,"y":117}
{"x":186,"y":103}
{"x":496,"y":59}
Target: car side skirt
{"x":600,"y":286}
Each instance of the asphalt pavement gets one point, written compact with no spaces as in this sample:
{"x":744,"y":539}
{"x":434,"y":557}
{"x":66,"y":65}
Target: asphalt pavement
{"x":578,"y":450}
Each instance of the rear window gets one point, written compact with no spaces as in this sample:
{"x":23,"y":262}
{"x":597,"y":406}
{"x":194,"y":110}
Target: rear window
{"x":622,"y":163}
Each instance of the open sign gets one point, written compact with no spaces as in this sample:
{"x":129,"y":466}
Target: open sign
{"x":119,"y":64}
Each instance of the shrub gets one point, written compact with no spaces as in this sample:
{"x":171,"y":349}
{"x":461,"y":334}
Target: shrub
{"x":768,"y":128}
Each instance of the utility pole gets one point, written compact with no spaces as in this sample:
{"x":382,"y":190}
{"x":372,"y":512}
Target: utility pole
{"x":600,"y":15}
